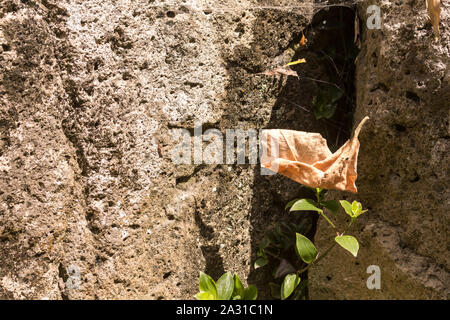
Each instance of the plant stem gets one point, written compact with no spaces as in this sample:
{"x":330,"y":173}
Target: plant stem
{"x":317,"y":260}
{"x":319,"y":199}
{"x":318,"y":195}
{"x":323,"y":254}
{"x":326,"y":218}
{"x":272,"y":254}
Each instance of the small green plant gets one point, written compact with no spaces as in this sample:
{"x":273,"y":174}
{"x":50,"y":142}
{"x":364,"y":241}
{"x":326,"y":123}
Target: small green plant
{"x":325,"y":103}
{"x":227,"y":287}
{"x":292,"y":285}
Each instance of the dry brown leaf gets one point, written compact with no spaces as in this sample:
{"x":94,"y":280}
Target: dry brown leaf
{"x":434,"y":12}
{"x":305,"y":158}
{"x":280,"y":71}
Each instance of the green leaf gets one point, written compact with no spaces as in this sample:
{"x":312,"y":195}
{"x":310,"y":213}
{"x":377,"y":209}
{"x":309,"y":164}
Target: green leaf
{"x":347,"y":207}
{"x":225,"y":286}
{"x":320,"y":104}
{"x":331,"y":205}
{"x":325,"y":111}
{"x":305,"y":248}
{"x":290,"y":204}
{"x":349,"y":243}
{"x":290,"y":282}
{"x":275,"y":290}
{"x":355,"y":206}
{"x":357,"y":209}
{"x":251,"y":293}
{"x":237,"y":298}
{"x":207,"y":284}
{"x":305,"y":205}
{"x":204,"y":296}
{"x":362,"y":212}
{"x":261,"y":262}
{"x":325,"y":102}
{"x":239,"y":290}
{"x":261,"y":253}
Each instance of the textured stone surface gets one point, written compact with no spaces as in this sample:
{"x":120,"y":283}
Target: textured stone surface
{"x":90,"y":92}
{"x":403,"y":85}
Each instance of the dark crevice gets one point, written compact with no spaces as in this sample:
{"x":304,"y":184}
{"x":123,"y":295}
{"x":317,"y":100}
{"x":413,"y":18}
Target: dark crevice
{"x":6,"y":47}
{"x":412,"y":96}
{"x":399,"y":127}
{"x":380,"y":86}
{"x":171,"y":14}
{"x":415,"y":178}
{"x":330,"y":54}
{"x":206,"y":231}
{"x":214,"y":262}
{"x":79,"y":150}
{"x":62,"y":273}
{"x":186,"y":178}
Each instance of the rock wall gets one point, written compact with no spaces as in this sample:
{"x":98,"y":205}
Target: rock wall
{"x":403,"y":85}
{"x":91,"y":92}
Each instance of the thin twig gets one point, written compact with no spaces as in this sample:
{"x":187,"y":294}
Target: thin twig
{"x":332,"y":61}
{"x":336,"y":124}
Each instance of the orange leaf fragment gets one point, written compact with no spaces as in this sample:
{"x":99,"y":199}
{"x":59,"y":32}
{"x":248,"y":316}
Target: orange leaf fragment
{"x":305,"y":158}
{"x":303,"y":40}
